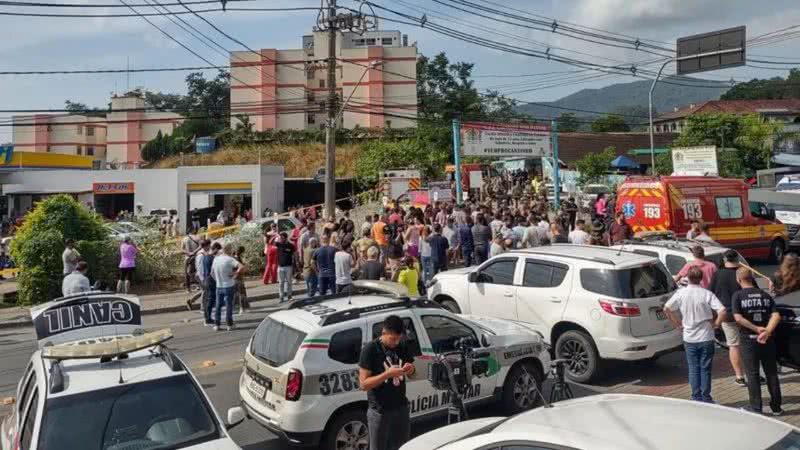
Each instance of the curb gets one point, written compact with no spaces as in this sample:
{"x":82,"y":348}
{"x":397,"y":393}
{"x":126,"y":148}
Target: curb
{"x":21,"y":323}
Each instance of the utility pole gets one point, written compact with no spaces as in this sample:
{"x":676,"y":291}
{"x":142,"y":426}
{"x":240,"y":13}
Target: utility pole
{"x":334,"y":23}
{"x":330,"y":132}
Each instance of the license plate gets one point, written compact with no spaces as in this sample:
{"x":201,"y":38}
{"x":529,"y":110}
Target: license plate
{"x":258,"y":390}
{"x":660,"y":315}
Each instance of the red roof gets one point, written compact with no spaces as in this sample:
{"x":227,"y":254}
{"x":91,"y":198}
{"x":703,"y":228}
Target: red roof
{"x":788,"y":105}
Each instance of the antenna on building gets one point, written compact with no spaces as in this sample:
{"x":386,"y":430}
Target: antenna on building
{"x":128,"y":74}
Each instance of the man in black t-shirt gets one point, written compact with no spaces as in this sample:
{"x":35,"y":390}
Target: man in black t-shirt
{"x":754,"y":311}
{"x":384,"y":366}
{"x":286,"y":252}
{"x":724,"y":285}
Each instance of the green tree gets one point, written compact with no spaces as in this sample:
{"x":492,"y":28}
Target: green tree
{"x":423,"y":152}
{"x":610,"y":123}
{"x":39,"y":242}
{"x":747,"y":141}
{"x":773,"y":88}
{"x":568,"y":123}
{"x":81,"y":108}
{"x":593,"y":166}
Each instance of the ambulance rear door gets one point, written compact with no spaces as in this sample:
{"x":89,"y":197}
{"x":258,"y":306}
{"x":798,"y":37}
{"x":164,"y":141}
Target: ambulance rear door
{"x":644,"y":206}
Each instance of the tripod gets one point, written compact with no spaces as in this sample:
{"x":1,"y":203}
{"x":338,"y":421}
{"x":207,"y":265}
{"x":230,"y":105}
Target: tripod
{"x":560,"y":389}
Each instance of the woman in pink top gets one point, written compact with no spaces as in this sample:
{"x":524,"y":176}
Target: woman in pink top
{"x":127,"y":264}
{"x":600,"y":205}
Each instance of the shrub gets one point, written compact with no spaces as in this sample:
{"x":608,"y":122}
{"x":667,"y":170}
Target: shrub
{"x":103,"y":259}
{"x":253,"y":243}
{"x":39,"y":242}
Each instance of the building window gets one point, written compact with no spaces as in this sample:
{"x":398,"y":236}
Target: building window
{"x":322,"y":83}
{"x":311,"y":119}
{"x":359,"y":42}
{"x":49,"y":128}
{"x":48,"y":149}
{"x":80,"y":150}
{"x":90,"y":151}
{"x":674,"y":126}
{"x":140,"y":125}
{"x":90,"y":131}
{"x":370,"y":41}
{"x":386,"y":41}
{"x":80,"y":130}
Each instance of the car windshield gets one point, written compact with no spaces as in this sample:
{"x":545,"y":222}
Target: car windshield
{"x":275,"y":342}
{"x":169,"y":413}
{"x":789,"y":442}
{"x":636,"y":282}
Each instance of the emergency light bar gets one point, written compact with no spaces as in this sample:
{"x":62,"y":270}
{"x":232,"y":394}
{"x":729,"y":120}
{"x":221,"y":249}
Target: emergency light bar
{"x":113,"y":346}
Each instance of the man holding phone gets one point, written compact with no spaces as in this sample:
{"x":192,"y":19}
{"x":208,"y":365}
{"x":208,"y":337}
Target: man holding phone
{"x":384,"y":366}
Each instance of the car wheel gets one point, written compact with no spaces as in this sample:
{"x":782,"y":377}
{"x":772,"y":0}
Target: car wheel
{"x":776,"y":251}
{"x":522,"y":389}
{"x":347,"y":431}
{"x":450,"y":305}
{"x":577,"y":348}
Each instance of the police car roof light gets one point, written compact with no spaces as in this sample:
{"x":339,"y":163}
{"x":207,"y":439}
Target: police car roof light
{"x":360,"y":287}
{"x":350,"y":314}
{"x":111,"y":348}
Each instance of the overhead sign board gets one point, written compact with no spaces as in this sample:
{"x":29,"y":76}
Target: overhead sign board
{"x":695,"y":161}
{"x":496,"y":139}
{"x":712,"y":51}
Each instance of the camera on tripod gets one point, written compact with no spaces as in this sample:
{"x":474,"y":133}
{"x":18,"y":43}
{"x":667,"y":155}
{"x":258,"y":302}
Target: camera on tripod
{"x":461,"y":364}
{"x":453,"y":372}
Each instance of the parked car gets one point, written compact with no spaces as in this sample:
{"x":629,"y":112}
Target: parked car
{"x":120,"y":230}
{"x":590,"y":303}
{"x":616,"y":422}
{"x":300,"y":374}
{"x":675,"y":253}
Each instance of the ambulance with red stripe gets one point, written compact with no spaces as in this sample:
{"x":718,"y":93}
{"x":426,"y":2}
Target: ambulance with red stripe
{"x":300,"y":375}
{"x":671,"y":203}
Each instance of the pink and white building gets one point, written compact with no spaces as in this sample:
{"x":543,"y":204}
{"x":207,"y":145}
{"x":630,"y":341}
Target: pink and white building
{"x":117,"y":138}
{"x":286,"y":89}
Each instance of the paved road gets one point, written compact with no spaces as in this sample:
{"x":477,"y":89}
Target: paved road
{"x":197,"y":344}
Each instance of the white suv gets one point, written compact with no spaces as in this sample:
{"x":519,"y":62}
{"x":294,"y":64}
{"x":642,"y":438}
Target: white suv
{"x":674,"y":254}
{"x":591,"y":303}
{"x":300,"y":375}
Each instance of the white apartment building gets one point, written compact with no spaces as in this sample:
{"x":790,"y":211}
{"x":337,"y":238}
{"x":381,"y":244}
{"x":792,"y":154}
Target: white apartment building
{"x":116,"y":138}
{"x":286,"y":89}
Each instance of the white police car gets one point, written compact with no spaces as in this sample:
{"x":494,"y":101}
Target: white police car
{"x":98,"y":381}
{"x":300,"y":376}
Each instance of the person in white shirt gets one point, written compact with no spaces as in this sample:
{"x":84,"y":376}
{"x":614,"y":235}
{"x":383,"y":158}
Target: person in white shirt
{"x":578,"y":236}
{"x":224,"y":270}
{"x":496,"y":225}
{"x":543,"y":227}
{"x":76,"y":282}
{"x":343,"y":264}
{"x":70,"y":257}
{"x":497,"y":247}
{"x":697,"y":311}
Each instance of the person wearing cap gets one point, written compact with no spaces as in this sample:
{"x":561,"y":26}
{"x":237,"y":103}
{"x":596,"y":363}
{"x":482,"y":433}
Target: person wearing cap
{"x":724,"y":286}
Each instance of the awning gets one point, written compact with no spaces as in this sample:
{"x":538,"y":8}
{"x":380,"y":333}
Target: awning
{"x":623,"y":162}
{"x":11,"y":190}
{"x":646,"y":151}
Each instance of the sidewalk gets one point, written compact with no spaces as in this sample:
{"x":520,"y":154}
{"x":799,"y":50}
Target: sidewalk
{"x":159,"y":303}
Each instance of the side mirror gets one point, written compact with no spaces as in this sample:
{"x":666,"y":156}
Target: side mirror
{"x":236,"y":415}
{"x":473,"y":277}
{"x":485,"y":341}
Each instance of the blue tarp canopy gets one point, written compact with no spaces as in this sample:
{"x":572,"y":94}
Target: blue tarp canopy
{"x":623,"y":162}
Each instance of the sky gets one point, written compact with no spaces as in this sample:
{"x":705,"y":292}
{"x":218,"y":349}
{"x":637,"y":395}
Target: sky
{"x":112,"y":43}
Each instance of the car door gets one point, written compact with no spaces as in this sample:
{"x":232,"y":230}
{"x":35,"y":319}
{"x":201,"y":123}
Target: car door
{"x":543,"y":293}
{"x":418,"y":387}
{"x":444,"y":331}
{"x":491,"y":292}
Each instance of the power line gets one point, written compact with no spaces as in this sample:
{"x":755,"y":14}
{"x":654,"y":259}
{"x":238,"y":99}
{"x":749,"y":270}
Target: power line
{"x":115,"y":5}
{"x":86,"y":16}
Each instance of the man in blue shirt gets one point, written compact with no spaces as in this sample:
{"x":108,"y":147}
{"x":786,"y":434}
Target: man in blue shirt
{"x":465,"y":240}
{"x":439,"y":246}
{"x":326,"y":267}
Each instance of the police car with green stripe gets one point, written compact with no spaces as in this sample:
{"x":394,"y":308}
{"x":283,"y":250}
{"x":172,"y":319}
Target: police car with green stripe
{"x":300,"y":375}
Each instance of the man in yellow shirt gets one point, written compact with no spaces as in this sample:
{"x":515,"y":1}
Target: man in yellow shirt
{"x":408,"y":276}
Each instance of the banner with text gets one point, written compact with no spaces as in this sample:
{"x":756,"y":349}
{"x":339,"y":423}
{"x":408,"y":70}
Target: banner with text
{"x":497,"y":139}
{"x":694,"y":161}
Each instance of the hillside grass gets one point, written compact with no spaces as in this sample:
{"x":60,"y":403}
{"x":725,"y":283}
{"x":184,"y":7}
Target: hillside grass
{"x":299,"y":161}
